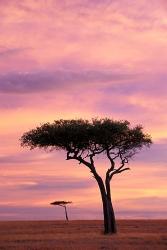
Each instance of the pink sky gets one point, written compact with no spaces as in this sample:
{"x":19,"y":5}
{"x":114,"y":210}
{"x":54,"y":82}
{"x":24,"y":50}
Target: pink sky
{"x":81,"y":59}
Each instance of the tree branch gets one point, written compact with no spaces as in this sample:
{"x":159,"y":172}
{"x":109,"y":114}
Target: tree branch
{"x":90,"y":165}
{"x":124,"y":169}
{"x":112,"y":164}
{"x":81,"y":160}
{"x":117,"y":171}
{"x":96,"y":151}
{"x":91,"y":159}
{"x":120,"y":169}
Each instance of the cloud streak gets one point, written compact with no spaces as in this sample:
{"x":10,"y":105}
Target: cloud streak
{"x":42,"y":81}
{"x":76,"y":212}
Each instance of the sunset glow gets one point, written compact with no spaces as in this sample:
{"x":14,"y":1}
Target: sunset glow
{"x":81,"y":59}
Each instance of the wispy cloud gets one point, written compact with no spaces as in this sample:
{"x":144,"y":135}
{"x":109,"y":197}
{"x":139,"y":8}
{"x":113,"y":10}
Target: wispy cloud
{"x":29,"y":212}
{"x":41,"y":81}
{"x":45,"y":184}
{"x":27,"y":157}
{"x":143,"y":204}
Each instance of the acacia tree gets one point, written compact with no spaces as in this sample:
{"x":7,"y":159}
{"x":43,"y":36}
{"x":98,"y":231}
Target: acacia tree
{"x":62,"y":204}
{"x":83,"y":140}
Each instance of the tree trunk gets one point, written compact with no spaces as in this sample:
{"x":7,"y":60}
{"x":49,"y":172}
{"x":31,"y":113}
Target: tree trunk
{"x":111,"y":210}
{"x":112,"y":221}
{"x":108,"y":211}
{"x":66,"y":213}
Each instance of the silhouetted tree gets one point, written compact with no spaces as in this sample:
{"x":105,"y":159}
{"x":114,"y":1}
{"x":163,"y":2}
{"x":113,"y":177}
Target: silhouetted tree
{"x":83,"y":140}
{"x":62,"y":204}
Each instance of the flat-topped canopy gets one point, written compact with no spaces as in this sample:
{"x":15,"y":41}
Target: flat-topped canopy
{"x":60,"y":202}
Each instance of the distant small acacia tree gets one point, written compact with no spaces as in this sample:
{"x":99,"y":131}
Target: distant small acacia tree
{"x":83,"y":140}
{"x":62,"y":204}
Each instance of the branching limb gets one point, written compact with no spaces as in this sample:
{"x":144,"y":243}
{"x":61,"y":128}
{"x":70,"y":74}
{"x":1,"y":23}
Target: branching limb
{"x":91,"y":159}
{"x":96,"y":151}
{"x":90,"y":165}
{"x":121,"y":168}
{"x":117,"y":171}
{"x":124,"y":169}
{"x":112,"y":164}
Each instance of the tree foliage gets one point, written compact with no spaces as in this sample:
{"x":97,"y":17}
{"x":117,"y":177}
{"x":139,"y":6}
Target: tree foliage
{"x":85,"y":139}
{"x":60,"y":203}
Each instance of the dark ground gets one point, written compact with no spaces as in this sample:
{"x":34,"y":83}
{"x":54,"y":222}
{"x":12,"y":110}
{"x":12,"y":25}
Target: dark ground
{"x":87,"y":235}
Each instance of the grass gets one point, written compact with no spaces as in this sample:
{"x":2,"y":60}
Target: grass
{"x":86,"y":235}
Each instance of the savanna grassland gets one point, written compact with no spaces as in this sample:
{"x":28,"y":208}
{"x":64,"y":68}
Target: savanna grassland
{"x":87,"y":235}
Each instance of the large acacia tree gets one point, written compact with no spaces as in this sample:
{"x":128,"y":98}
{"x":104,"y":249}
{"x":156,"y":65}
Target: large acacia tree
{"x":83,"y":140}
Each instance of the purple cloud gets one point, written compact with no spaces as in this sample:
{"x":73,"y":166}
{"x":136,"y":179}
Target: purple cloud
{"x":9,"y":212}
{"x":46,"y":184}
{"x":156,"y":154}
{"x":20,"y":158}
{"x":77,"y":211}
{"x":43,"y":81}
